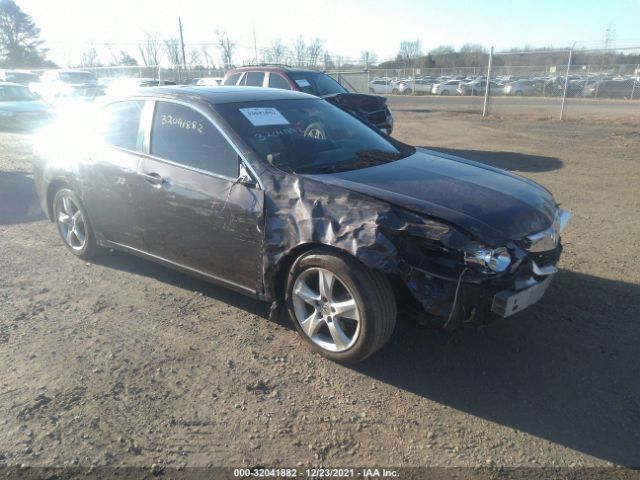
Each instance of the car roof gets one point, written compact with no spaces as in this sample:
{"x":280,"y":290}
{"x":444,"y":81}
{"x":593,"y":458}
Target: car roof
{"x":284,"y":68}
{"x":222,"y":94}
{"x":68,"y":70}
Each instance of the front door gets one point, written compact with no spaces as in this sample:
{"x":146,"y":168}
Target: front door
{"x":194,"y":211}
{"x":109,"y":177}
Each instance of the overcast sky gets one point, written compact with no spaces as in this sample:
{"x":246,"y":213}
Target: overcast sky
{"x":346,"y":27}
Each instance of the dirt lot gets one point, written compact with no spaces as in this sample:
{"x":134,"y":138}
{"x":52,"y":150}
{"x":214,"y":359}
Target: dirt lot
{"x":123,"y":362}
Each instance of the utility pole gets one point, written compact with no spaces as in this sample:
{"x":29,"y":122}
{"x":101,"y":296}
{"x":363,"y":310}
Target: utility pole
{"x":255,"y":44}
{"x":566,"y":82}
{"x":487,"y":90}
{"x":184,"y":57}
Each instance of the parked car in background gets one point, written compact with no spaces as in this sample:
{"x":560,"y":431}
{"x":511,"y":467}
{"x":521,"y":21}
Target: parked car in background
{"x":20,"y":108}
{"x":418,"y":86}
{"x":613,"y":89}
{"x":523,"y":88}
{"x":56,"y":85}
{"x":371,"y":108}
{"x":449,"y":87}
{"x":288,"y":199}
{"x":127,"y":85}
{"x":576,"y":88}
{"x":479,"y":87}
{"x":384,"y":85}
{"x":23,"y":77}
{"x":210,"y":81}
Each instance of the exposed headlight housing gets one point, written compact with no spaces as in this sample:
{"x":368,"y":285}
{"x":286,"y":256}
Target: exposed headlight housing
{"x":490,"y":259}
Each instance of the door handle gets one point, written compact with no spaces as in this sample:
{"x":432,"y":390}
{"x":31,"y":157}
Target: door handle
{"x":153,"y":178}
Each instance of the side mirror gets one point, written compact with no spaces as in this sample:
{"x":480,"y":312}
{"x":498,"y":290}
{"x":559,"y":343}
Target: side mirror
{"x":244,"y":178}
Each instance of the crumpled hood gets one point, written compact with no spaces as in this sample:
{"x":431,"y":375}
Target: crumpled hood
{"x":357,"y":101}
{"x":493,"y":205}
{"x":19,"y":106}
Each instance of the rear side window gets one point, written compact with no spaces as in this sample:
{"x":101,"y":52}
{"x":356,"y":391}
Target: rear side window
{"x":253,"y":79}
{"x":232,"y":79}
{"x":182,"y":135}
{"x":120,"y":122}
{"x":277,"y":81}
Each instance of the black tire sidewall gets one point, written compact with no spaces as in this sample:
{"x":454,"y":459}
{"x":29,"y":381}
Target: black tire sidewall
{"x":356,"y":280}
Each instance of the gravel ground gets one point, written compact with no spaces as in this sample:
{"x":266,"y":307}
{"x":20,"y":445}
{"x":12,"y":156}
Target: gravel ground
{"x":123,"y":362}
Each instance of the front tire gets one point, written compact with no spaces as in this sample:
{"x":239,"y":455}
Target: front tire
{"x":74,"y":226}
{"x":343,"y":310}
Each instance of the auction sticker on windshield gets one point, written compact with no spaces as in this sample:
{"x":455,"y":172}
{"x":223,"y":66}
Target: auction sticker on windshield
{"x":303,"y":82}
{"x":261,"y":117}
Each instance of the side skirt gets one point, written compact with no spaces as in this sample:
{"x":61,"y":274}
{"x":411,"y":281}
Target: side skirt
{"x":188,"y":270}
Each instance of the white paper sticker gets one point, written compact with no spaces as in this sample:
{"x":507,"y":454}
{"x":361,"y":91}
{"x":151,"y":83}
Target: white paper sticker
{"x":303,"y":83}
{"x":260,"y":117}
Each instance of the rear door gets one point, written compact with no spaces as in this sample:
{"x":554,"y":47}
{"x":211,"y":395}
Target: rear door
{"x":195,"y":212}
{"x":109,"y":176}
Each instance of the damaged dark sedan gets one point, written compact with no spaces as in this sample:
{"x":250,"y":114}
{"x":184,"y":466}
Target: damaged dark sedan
{"x":287,"y":198}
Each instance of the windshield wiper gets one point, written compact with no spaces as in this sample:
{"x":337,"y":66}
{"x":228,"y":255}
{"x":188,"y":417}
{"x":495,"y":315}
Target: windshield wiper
{"x":366,"y":159}
{"x":378,"y":156}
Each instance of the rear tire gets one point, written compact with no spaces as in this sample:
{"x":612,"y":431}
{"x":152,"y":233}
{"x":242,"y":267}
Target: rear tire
{"x":342,"y":310}
{"x":74,"y":226}
{"x":444,"y":92}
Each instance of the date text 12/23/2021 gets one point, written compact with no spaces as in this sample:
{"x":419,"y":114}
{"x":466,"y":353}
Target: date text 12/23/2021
{"x":315,"y":472}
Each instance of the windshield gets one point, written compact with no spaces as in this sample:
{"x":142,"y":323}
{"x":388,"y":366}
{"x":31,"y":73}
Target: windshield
{"x":310,"y":136}
{"x":10,"y":93}
{"x":77,"y":77}
{"x":317,"y":84}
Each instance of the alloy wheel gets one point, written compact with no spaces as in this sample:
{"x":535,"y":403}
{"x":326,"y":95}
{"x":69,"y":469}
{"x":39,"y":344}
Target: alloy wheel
{"x":326,"y":310}
{"x":71,"y":222}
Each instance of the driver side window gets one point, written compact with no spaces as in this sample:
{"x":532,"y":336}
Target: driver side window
{"x":182,"y":135}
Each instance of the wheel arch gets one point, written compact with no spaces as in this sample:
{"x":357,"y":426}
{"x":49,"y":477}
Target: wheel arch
{"x":54,"y":187}
{"x":279,"y":281}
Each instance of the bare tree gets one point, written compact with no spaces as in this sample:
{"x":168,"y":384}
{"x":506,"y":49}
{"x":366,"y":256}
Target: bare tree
{"x":327,"y":61}
{"x":368,"y":58}
{"x":90,"y":58}
{"x":409,"y":52}
{"x":123,"y":59}
{"x":195,"y":59}
{"x":314,"y":50}
{"x":473,"y":55}
{"x":226,"y":47}
{"x":172,"y":50}
{"x":208,"y":60}
{"x":150,"y":50}
{"x":299,"y":52}
{"x":277,"y":52}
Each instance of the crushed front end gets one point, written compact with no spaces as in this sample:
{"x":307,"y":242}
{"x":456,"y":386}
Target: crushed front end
{"x":479,"y":283}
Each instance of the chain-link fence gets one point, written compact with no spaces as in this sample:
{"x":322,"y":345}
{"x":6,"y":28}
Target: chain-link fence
{"x":569,"y":83}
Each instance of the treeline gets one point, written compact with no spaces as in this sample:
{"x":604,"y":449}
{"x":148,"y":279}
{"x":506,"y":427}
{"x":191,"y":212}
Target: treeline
{"x":472,"y":55}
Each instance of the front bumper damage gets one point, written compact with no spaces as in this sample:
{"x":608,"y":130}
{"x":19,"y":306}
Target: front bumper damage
{"x":473,"y":297}
{"x":421,"y":254}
